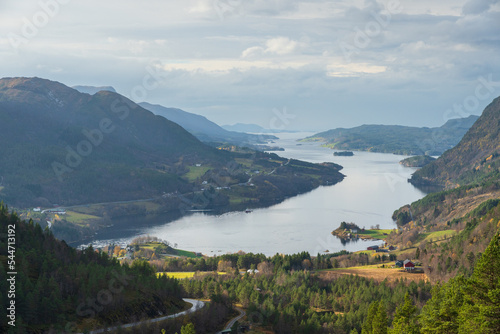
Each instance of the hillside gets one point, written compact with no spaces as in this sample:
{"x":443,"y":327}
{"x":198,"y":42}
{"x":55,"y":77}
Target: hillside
{"x":397,"y":139}
{"x":475,"y":159}
{"x":67,"y":290}
{"x":450,"y":227}
{"x":61,"y":146}
{"x":417,"y":161}
{"x":204,"y":129}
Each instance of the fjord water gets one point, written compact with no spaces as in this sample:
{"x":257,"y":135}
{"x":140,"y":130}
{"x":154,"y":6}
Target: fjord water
{"x":375,"y":186}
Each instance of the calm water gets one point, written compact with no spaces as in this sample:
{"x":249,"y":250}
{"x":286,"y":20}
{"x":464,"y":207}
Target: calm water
{"x":375,"y":186}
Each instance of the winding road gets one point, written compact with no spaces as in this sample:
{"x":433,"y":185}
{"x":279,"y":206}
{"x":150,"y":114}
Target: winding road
{"x":197,"y":305}
{"x":231,"y":323}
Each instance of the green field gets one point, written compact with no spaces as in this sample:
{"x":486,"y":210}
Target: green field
{"x":436,"y":236}
{"x":78,"y":218}
{"x":376,"y":234}
{"x":196,"y":172}
{"x":179,"y":252}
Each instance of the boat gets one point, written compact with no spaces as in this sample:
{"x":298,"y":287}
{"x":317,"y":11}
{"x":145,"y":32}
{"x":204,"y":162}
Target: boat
{"x":248,"y":211}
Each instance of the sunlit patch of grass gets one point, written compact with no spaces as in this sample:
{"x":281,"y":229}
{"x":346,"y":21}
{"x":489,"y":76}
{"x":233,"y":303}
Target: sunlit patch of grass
{"x":196,"y":172}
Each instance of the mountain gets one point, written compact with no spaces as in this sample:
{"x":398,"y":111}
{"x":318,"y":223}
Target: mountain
{"x":465,"y":215}
{"x":397,"y":139}
{"x":252,"y":128}
{"x":241,"y":127}
{"x":475,"y":159}
{"x":92,"y":89}
{"x":204,"y":129}
{"x":60,"y":146}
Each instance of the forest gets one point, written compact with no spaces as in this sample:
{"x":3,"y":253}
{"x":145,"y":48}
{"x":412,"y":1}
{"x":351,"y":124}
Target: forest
{"x":60,"y":289}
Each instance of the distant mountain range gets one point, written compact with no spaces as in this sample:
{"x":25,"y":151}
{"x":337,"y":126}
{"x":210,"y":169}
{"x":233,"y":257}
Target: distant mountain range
{"x":252,"y":128}
{"x":397,"y":139}
{"x":204,"y":129}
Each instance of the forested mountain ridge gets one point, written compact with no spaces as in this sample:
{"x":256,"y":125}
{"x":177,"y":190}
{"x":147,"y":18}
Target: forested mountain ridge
{"x":66,"y":290}
{"x":60,"y":146}
{"x":397,"y":139}
{"x":475,"y":159}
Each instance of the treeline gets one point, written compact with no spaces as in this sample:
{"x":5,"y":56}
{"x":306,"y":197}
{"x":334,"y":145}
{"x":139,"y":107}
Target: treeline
{"x":241,"y":260}
{"x":60,"y":288}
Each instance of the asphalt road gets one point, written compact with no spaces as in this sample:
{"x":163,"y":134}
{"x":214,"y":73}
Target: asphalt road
{"x":231,"y":323}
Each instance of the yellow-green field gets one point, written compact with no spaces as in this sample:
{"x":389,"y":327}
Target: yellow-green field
{"x":187,"y":274}
{"x":196,"y":172}
{"x":78,"y":218}
{"x":376,"y":234}
{"x":436,"y":236}
{"x":244,"y":162}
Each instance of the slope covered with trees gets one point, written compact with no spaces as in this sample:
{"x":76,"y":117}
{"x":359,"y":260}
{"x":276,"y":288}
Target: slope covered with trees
{"x":59,"y":287}
{"x":476,"y":159}
{"x":60,"y":146}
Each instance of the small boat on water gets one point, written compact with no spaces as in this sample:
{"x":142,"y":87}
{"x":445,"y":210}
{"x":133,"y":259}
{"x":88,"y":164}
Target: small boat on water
{"x":248,"y":211}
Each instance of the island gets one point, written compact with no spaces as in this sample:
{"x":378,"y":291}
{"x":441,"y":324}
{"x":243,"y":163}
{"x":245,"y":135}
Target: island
{"x":417,"y":161}
{"x":343,"y":154}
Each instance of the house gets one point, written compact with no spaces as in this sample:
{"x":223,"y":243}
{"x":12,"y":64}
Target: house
{"x":252,"y":271}
{"x":37,"y":209}
{"x":372,"y":248}
{"x":399,"y":263}
{"x":354,"y":231}
{"x":408,"y":265}
{"x":391,"y":248}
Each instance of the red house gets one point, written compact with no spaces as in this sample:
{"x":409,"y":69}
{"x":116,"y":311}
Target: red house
{"x":408,"y":265}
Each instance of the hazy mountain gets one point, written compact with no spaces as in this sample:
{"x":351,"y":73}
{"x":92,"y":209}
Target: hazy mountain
{"x":241,"y":127}
{"x":92,"y":90}
{"x":62,"y":146}
{"x":204,"y":129}
{"x":475,"y":159}
{"x":397,"y":139}
{"x":252,"y":128}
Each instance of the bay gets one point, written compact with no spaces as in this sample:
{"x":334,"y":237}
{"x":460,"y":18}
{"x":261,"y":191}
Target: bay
{"x":375,"y":185}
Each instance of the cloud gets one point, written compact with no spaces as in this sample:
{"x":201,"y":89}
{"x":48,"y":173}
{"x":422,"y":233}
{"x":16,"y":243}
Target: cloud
{"x":275,"y":46}
{"x":354,"y":70}
{"x":474,"y":7}
{"x":281,"y":46}
{"x":269,"y":54}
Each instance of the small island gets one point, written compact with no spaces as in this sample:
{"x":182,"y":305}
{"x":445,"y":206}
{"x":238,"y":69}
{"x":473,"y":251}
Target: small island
{"x":343,"y":154}
{"x":417,"y":161}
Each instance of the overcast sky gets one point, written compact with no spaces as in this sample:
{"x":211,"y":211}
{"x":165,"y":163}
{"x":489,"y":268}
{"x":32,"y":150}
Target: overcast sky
{"x":327,"y":63}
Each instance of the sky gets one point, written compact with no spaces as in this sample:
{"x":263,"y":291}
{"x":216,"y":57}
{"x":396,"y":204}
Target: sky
{"x":293,"y":65}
